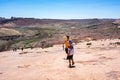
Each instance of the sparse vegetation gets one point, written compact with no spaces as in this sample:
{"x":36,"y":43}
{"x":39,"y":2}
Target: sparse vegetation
{"x":5,"y":45}
{"x":31,"y":35}
{"x":33,"y":31}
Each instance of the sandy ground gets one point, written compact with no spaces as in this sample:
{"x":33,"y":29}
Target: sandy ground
{"x":100,"y":61}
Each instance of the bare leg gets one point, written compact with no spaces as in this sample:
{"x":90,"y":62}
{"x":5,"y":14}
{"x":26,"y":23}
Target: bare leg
{"x":69,"y":62}
{"x":67,"y":57}
{"x":72,"y":61}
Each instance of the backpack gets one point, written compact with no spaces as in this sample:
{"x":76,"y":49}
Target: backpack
{"x":70,"y":44}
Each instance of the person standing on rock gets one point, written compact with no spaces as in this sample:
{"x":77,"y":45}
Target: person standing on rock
{"x":70,"y":53}
{"x":22,"y":48}
{"x":66,"y":43}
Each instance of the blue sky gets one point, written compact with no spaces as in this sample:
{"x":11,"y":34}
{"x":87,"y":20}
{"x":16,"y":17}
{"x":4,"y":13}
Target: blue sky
{"x":60,"y":9}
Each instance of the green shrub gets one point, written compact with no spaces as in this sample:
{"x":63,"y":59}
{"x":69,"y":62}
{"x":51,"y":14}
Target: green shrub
{"x":5,"y":45}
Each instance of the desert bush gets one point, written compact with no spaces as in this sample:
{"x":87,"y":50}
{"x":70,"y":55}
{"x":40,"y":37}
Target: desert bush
{"x":118,"y":43}
{"x":94,"y":39}
{"x":88,"y":43}
{"x":48,"y":45}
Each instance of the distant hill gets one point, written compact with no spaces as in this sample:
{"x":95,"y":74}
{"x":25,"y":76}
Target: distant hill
{"x":52,"y":31}
{"x":82,"y":27}
{"x":19,"y":22}
{"x":1,"y":18}
{"x":9,"y":32}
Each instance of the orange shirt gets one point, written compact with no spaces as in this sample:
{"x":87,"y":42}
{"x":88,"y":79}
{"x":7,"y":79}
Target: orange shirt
{"x":66,"y":43}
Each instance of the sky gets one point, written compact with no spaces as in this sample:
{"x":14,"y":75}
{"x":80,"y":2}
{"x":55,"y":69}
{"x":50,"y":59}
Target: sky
{"x":60,"y":9}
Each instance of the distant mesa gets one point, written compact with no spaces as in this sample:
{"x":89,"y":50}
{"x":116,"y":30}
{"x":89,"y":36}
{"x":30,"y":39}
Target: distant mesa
{"x":117,"y":21}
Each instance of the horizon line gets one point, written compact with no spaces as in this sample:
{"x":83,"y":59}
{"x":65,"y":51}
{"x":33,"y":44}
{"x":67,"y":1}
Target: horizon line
{"x":57,"y":18}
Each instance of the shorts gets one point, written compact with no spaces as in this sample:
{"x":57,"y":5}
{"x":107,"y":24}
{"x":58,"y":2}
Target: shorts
{"x":66,"y":50}
{"x":70,"y":57}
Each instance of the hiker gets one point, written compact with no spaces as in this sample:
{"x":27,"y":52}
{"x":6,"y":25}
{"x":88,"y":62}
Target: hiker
{"x":22,"y":48}
{"x":15,"y":49}
{"x":31,"y":47}
{"x":42,"y":44}
{"x":70,"y":53}
{"x":66,"y":43}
